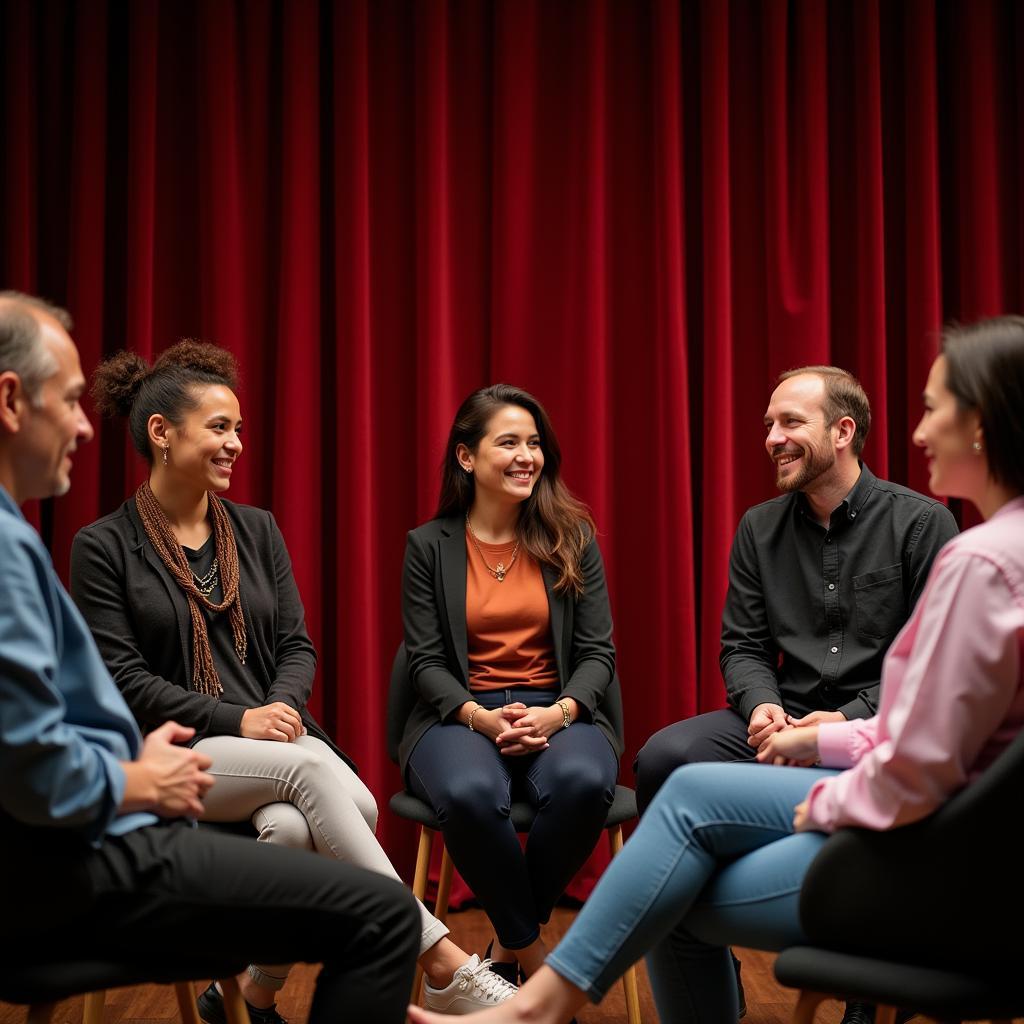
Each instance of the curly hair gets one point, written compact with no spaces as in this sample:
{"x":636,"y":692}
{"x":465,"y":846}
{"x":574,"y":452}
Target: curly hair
{"x":126,"y":385}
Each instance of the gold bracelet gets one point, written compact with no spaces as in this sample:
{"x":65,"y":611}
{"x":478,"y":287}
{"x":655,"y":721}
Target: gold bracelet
{"x":566,"y":717}
{"x":472,"y":714}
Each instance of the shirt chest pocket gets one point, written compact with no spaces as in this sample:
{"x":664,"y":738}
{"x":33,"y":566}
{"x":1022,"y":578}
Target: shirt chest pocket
{"x":878,"y":596}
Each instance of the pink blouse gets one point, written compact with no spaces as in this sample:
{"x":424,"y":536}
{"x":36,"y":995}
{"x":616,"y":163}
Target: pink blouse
{"x":952,"y":689}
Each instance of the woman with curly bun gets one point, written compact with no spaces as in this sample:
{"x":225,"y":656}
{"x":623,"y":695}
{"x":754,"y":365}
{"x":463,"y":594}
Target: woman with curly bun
{"x":193,"y":604}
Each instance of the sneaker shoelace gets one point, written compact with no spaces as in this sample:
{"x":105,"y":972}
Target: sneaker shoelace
{"x":491,"y":986}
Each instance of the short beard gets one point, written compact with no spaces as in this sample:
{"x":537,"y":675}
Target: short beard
{"x":813,"y":465}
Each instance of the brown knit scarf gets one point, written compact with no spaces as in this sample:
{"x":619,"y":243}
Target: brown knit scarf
{"x":161,"y":536}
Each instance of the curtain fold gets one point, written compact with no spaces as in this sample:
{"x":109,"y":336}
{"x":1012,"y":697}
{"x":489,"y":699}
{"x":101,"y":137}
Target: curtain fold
{"x":641,"y":212}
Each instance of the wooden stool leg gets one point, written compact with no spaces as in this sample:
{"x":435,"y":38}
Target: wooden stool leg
{"x":629,"y":983}
{"x":444,"y":886}
{"x":807,"y":1005}
{"x":93,"y":1012}
{"x":419,"y":880}
{"x":40,"y":1013}
{"x":234,"y":1005}
{"x":186,"y":997}
{"x":419,"y":890}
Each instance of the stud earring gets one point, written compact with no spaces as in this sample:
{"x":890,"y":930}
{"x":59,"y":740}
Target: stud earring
{"x":976,"y":446}
{"x":165,"y":453}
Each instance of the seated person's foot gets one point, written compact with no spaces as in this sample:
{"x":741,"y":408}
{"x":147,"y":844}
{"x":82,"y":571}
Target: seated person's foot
{"x":507,"y":969}
{"x":476,"y":986}
{"x":211,"y":1009}
{"x":864,"y":1013}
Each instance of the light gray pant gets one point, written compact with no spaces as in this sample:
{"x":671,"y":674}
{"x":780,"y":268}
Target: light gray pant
{"x":300,"y":794}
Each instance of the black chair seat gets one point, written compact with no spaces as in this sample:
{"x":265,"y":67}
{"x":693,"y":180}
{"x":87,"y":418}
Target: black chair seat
{"x":49,"y":981}
{"x":407,"y":806}
{"x":936,"y":992}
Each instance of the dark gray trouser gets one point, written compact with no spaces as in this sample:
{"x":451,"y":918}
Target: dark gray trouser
{"x":174,"y":892}
{"x":714,"y":736}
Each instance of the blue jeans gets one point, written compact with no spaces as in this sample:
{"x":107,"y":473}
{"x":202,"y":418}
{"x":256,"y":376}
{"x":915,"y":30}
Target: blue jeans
{"x":714,"y":861}
{"x":471,"y":786}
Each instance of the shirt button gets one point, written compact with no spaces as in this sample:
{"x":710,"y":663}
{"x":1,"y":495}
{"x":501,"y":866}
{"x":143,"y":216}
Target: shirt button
{"x":835,"y":650}
{"x":828,"y":540}
{"x":831,"y":586}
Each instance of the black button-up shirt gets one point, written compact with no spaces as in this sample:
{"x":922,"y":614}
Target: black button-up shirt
{"x":811,"y":611}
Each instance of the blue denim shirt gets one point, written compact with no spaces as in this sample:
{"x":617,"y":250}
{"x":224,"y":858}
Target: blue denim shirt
{"x":64,"y":726}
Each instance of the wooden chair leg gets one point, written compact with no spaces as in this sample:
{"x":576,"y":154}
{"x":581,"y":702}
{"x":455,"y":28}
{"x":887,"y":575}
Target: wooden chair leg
{"x":185,"y":994}
{"x":629,"y":982}
{"x":234,"y":1005}
{"x":93,"y":1011}
{"x":885,"y":1015}
{"x":444,"y":885}
{"x":40,"y":1013}
{"x":419,"y":890}
{"x":807,"y":1005}
{"x":419,"y":881}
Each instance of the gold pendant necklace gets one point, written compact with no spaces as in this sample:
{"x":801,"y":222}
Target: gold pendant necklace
{"x":501,"y":570}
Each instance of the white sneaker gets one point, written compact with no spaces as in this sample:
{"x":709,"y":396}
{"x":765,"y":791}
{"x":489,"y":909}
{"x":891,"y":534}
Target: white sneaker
{"x":474,"y":987}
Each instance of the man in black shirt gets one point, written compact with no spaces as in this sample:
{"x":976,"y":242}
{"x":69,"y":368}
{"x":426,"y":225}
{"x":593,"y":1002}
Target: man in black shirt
{"x":821,"y":579}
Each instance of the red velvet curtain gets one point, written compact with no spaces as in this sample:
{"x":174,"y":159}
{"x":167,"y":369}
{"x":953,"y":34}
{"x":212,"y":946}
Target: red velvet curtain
{"x":640,"y":211}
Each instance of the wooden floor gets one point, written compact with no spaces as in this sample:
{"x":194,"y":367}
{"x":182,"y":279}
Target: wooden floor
{"x":767,"y":1002}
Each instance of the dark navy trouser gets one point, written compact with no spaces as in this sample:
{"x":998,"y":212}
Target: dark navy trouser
{"x":470,"y":785}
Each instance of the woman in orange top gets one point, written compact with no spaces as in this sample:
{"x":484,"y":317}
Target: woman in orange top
{"x":508,"y":633}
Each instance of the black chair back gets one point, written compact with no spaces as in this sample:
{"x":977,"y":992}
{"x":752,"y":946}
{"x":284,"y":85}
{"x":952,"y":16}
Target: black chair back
{"x":945,"y":890}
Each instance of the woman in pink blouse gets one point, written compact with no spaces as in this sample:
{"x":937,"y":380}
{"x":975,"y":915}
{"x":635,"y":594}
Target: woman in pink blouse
{"x":721,"y":854}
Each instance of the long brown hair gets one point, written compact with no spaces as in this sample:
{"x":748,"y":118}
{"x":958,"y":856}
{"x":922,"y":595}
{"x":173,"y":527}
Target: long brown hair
{"x":553,"y":526}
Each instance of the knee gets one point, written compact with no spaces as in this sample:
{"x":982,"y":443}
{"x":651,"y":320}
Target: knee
{"x":283,"y":825}
{"x":367,"y":807}
{"x":470,"y":800}
{"x":657,"y":759}
{"x":678,"y":744}
{"x":580,"y":782}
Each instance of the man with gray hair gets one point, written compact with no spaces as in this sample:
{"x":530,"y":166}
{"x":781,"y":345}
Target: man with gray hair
{"x":95,"y":822}
{"x":821,"y":579}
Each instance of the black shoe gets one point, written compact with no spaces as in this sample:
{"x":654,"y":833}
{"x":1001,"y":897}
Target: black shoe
{"x":864,"y":1013}
{"x":507,"y":969}
{"x":211,"y":1009}
{"x":739,"y":986}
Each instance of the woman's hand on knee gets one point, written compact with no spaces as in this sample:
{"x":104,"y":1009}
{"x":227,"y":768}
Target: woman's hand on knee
{"x":277,"y":721}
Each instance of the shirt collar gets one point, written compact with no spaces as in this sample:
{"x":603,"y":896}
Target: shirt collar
{"x":8,"y":504}
{"x":1014,"y":504}
{"x":850,"y":507}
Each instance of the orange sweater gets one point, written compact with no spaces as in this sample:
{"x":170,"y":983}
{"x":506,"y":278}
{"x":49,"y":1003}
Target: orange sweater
{"x":508,"y":624}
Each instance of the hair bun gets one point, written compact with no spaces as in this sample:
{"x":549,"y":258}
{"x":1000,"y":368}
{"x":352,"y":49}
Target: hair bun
{"x":116,"y":382}
{"x":200,"y":356}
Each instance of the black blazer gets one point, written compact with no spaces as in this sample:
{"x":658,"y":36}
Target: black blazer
{"x":140,"y":619}
{"x":434,"y":614}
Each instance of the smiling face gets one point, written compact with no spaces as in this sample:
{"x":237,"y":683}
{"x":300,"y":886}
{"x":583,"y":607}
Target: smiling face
{"x":54,"y":422}
{"x":507,"y":462}
{"x":799,"y":441}
{"x":947,"y":434}
{"x":203,"y":447}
